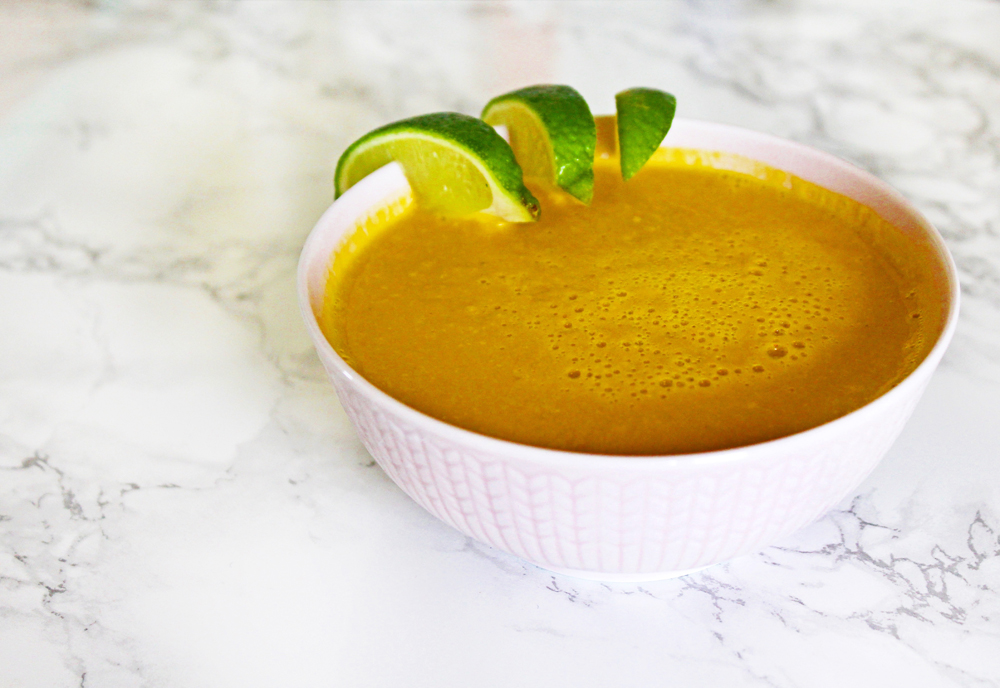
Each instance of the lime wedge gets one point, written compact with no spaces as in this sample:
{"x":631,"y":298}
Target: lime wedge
{"x":456,"y":165}
{"x":644,"y":118}
{"x":552,"y":133}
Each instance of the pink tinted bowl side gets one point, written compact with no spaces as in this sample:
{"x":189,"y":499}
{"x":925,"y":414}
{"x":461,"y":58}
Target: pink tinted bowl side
{"x":621,"y":518}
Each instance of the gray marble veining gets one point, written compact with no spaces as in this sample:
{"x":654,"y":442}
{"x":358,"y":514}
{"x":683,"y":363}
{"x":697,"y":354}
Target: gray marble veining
{"x":183,"y":502}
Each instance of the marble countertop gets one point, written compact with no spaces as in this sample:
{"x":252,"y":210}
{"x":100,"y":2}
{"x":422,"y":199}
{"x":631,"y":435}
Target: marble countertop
{"x":182,"y":499}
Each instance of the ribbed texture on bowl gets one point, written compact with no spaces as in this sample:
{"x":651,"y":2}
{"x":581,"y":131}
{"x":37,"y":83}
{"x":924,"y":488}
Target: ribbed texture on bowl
{"x":626,"y":518}
{"x":673,"y":517}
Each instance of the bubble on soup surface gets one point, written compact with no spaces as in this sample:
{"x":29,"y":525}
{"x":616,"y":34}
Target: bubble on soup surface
{"x":777,"y":351}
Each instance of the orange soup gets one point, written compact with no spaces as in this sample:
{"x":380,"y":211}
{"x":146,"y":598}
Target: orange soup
{"x":710,"y":302}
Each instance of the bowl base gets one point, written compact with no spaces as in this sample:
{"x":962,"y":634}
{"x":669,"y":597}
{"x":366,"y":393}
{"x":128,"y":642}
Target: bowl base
{"x":622,"y":577}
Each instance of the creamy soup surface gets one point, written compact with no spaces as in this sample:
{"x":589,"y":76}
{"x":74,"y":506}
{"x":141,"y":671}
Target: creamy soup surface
{"x":710,"y":302}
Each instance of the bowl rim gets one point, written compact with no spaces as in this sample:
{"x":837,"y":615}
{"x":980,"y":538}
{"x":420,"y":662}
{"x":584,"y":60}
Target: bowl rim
{"x":390,"y":177}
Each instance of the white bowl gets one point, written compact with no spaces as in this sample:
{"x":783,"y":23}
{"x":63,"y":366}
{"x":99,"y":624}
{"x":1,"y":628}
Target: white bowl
{"x":617,"y":517}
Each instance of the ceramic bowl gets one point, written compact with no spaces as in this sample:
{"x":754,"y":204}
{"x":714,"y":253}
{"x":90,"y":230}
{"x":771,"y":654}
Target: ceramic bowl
{"x":615,"y":517}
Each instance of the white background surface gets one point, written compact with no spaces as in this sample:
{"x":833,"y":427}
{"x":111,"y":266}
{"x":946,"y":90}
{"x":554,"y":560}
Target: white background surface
{"x":182,"y":500}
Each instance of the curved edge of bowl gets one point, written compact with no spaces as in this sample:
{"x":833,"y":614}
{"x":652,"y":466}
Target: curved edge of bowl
{"x":410,"y":445}
{"x":389,"y":183}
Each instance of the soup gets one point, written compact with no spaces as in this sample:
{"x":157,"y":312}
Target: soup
{"x":710,"y":302}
